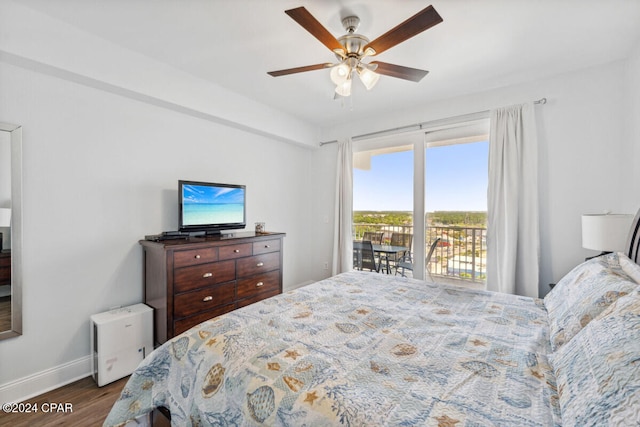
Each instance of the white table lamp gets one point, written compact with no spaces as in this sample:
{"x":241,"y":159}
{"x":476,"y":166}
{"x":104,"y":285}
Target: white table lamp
{"x":605,"y":232}
{"x":5,"y":217}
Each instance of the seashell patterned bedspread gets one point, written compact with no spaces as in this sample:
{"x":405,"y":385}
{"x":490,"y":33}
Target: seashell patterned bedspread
{"x":357,"y":349}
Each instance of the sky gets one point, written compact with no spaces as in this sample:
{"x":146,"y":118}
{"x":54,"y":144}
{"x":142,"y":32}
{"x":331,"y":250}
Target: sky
{"x":211,"y":193}
{"x":456,"y":180}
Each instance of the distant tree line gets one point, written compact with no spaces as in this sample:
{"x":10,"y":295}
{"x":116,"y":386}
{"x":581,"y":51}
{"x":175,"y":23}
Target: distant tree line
{"x":448,"y":218}
{"x":457,"y":218}
{"x":383,"y":217}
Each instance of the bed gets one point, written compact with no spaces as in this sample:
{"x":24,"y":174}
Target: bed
{"x":364,"y":349}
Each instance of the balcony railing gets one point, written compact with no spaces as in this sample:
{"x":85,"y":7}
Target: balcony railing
{"x":460,"y":255}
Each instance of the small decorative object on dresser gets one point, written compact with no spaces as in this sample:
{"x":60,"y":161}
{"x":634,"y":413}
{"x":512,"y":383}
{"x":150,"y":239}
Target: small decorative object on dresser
{"x":188,"y":281}
{"x":259,"y":227}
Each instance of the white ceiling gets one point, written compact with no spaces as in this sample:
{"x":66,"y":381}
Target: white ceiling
{"x":480,"y":44}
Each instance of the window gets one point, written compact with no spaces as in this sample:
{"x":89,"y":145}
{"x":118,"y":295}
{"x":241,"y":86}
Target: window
{"x":383,"y":191}
{"x":456,"y":209}
{"x":395,"y":190}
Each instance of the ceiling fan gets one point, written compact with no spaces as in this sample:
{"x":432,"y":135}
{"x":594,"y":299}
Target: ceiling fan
{"x":351,"y":49}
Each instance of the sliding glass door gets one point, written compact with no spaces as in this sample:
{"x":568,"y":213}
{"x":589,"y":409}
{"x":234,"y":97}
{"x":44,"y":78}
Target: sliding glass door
{"x":430,"y":184}
{"x":383,"y":198}
{"x":456,"y":210}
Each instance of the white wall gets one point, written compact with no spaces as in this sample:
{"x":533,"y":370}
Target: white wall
{"x":585,"y":161}
{"x":633,"y":117}
{"x":100,"y":172}
{"x":32,"y":39}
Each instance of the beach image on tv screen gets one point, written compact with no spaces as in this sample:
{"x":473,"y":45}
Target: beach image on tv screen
{"x":203,"y":205}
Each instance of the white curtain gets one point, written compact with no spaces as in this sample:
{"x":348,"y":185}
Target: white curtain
{"x":343,"y":236}
{"x":513,"y":242}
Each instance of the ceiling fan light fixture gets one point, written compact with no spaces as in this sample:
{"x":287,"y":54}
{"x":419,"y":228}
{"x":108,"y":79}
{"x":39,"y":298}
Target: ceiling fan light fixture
{"x":344,"y":89}
{"x":340,"y":73}
{"x":368,"y":77}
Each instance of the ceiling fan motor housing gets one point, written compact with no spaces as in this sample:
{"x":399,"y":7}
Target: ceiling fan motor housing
{"x":353,"y":44}
{"x":351,"y":24}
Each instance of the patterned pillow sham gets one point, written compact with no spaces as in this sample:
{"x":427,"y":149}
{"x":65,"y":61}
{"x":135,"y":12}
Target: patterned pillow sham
{"x":585,"y":292}
{"x":597,"y":372}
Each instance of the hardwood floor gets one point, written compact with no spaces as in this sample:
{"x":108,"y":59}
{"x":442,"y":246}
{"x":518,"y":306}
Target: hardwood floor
{"x":86,"y":405}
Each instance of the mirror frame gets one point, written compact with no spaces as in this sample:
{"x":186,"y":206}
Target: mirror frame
{"x":15,"y":133}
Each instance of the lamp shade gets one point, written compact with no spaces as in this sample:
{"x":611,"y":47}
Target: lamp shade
{"x":344,"y":89}
{"x":605,"y":232}
{"x":5,"y":217}
{"x":340,"y":73}
{"x":368,"y":77}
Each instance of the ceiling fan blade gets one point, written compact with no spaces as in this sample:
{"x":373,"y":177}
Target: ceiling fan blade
{"x":311,"y":24}
{"x":398,"y":71}
{"x":299,"y":69}
{"x":421,"y":21}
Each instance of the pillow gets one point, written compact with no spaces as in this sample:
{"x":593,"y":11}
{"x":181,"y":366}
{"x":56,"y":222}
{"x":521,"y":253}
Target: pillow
{"x":631,"y":268}
{"x":598,"y":371}
{"x":585,"y":292}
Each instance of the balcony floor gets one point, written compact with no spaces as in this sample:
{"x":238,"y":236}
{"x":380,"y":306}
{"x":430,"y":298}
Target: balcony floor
{"x":449,"y":280}
{"x":457,"y":282}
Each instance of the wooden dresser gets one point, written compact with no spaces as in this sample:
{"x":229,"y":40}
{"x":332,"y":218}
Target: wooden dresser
{"x":188,"y":281}
{"x":5,"y":267}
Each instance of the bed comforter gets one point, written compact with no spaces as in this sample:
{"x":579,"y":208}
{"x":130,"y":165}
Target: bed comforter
{"x":357,"y":349}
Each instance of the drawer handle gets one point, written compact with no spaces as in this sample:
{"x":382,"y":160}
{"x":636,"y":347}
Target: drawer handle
{"x":260,"y":264}
{"x":236,"y":251}
{"x":205,"y":275}
{"x":267,"y":246}
{"x":197,"y":257}
{"x":259,"y":284}
{"x":206,"y":299}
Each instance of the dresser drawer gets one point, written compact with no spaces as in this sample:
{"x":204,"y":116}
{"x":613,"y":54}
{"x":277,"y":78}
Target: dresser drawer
{"x":235,"y":251}
{"x":194,"y":257}
{"x":257,"y":284}
{"x":258,"y":264}
{"x":199,"y":276}
{"x":194,"y":302}
{"x":5,"y":275}
{"x":266,"y":246}
{"x":179,"y":326}
{"x":5,"y":261}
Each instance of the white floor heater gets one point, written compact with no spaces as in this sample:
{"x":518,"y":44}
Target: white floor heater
{"x":120,"y":339}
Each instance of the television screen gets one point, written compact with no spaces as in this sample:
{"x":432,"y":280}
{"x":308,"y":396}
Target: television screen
{"x":211,"y":207}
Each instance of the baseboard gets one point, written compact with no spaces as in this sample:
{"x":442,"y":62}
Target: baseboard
{"x":44,"y":381}
{"x":299,"y":285}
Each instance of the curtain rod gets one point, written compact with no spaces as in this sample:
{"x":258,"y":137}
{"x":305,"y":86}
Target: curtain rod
{"x":419,"y":125}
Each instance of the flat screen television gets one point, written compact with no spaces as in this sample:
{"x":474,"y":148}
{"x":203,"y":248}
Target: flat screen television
{"x":210,"y":207}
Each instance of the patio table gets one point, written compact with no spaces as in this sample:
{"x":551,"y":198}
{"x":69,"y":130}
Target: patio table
{"x":385,"y":249}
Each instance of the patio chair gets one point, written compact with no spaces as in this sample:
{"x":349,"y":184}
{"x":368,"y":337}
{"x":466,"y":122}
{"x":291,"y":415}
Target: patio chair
{"x":408,"y":265}
{"x":403,"y":239}
{"x":398,"y":239}
{"x":364,"y":257}
{"x":373,"y":236}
